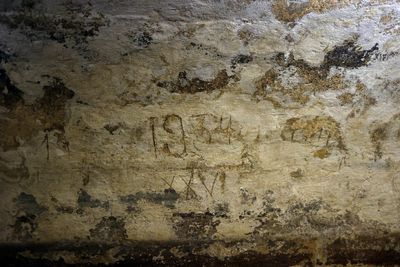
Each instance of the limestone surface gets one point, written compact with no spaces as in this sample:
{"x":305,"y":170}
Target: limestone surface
{"x":200,"y":132}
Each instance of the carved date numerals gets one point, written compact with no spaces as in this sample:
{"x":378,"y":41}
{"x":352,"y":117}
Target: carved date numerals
{"x":168,"y":135}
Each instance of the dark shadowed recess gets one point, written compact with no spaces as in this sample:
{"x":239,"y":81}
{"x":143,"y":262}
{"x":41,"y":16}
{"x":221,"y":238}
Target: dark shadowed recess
{"x":368,"y":250}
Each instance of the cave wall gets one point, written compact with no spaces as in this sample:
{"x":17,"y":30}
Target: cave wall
{"x":200,"y":132}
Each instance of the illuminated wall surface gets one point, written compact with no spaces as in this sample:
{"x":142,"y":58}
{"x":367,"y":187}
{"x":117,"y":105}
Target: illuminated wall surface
{"x":209,"y":133}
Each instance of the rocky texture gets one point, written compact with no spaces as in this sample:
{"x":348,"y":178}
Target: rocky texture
{"x":206,"y":133}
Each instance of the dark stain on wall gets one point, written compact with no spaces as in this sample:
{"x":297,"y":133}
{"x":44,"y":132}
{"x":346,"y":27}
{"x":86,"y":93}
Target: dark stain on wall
{"x":360,"y":249}
{"x":26,"y":222}
{"x":195,"y":226}
{"x":240,"y":59}
{"x":79,"y":23}
{"x":24,"y":227}
{"x":86,"y":201}
{"x":222,"y":210}
{"x":380,"y":250}
{"x":314,"y":78}
{"x":4,"y":56}
{"x":46,"y":114}
{"x":167,"y":198}
{"x":27,"y":203}
{"x":111,"y":128}
{"x":10,"y":95}
{"x":109,"y":229}
{"x":143,"y":39}
{"x":348,"y":55}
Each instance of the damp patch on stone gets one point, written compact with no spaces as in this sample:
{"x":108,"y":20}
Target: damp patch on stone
{"x":4,"y":56}
{"x":310,"y":216}
{"x":366,"y":250}
{"x":109,"y":229}
{"x":195,"y":226}
{"x":78,"y":24}
{"x":168,"y":198}
{"x":28,"y":204}
{"x":222,"y":210}
{"x":28,"y":211}
{"x":87,"y":201}
{"x":24,"y":227}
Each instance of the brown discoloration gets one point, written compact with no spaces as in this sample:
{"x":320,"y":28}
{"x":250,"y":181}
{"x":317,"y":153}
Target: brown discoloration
{"x":313,"y":80}
{"x":322,"y":153}
{"x":195,"y":85}
{"x":314,"y":130}
{"x":382,"y":132}
{"x":377,"y":136}
{"x":246,"y":35}
{"x":360,"y":87}
{"x":289,"y":11}
{"x":292,"y":11}
{"x":346,"y":98}
{"x":297,"y":173}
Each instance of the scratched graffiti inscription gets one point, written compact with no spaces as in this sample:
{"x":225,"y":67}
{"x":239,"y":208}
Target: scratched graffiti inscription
{"x":172,"y":136}
{"x":199,"y":181}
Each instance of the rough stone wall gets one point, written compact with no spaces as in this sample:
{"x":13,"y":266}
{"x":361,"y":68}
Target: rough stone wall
{"x":200,"y":132}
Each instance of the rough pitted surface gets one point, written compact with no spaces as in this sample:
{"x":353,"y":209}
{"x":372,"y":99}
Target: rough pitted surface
{"x":203,"y":133}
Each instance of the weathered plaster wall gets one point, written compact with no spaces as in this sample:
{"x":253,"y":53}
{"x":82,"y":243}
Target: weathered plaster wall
{"x":176,"y":132}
